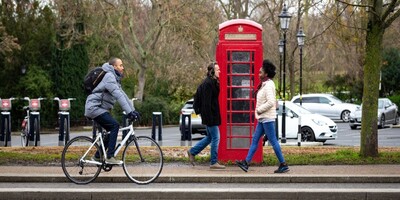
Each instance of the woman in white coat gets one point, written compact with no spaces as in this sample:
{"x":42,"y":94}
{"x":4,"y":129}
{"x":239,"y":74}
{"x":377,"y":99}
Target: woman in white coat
{"x":265,"y":114}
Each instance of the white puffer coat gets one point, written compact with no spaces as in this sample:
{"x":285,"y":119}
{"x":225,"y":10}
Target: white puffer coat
{"x":266,"y":101}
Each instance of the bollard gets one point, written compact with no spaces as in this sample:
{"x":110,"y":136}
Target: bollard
{"x":186,"y":131}
{"x":157,"y":119}
{"x":299,"y":133}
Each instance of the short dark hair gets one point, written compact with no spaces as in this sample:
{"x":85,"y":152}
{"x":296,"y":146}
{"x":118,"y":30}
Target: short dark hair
{"x":269,"y":68}
{"x":113,"y":60}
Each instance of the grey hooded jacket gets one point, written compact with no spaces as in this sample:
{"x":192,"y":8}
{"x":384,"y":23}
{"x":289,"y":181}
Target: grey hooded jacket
{"x":107,"y":92}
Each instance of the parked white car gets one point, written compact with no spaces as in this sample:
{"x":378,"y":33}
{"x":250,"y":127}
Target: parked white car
{"x":327,"y":105}
{"x":387,"y":114}
{"x":195,"y":120}
{"x":314,"y":127}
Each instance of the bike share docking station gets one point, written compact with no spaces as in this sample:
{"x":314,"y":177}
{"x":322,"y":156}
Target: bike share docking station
{"x":5,"y":122}
{"x":32,"y":121}
{"x":64,"y":105}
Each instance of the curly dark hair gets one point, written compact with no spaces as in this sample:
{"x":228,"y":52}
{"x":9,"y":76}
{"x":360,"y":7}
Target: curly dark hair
{"x":269,"y":68}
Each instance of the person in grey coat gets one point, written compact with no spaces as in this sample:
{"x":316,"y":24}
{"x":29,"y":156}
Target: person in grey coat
{"x":102,"y":99}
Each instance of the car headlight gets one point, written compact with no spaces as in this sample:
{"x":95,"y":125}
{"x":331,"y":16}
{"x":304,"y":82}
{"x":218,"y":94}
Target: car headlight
{"x":319,"y":122}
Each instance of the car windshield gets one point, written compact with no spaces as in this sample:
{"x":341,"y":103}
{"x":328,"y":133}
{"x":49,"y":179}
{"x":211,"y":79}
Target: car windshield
{"x":188,"y":105}
{"x":294,"y":107}
{"x":381,"y":103}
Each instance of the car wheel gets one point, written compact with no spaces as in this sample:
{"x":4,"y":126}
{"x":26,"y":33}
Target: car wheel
{"x":345,"y":116}
{"x":382,"y":121}
{"x":396,"y":119}
{"x":307,"y":134}
{"x":353,"y":127}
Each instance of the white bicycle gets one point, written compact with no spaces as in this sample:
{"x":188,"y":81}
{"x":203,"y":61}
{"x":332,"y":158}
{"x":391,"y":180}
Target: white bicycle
{"x":142,"y":158}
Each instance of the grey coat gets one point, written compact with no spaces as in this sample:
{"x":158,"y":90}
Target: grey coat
{"x":106,"y":94}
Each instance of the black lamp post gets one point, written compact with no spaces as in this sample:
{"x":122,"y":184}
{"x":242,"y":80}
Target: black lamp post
{"x":284,"y":20}
{"x":280,"y":47}
{"x":300,"y":41}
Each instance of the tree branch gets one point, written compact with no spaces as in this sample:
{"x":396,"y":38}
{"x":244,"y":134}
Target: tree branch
{"x":355,"y":5}
{"x":389,"y":9}
{"x":390,"y":20}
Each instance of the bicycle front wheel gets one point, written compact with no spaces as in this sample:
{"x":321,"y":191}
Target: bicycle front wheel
{"x":143,"y":160}
{"x":78,"y":167}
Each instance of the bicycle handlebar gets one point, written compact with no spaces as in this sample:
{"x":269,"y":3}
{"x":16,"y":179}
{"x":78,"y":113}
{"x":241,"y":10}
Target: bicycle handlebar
{"x":29,"y":99}
{"x":58,"y":99}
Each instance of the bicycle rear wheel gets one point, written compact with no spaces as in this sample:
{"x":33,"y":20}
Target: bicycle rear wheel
{"x":78,"y":168}
{"x":143,"y":160}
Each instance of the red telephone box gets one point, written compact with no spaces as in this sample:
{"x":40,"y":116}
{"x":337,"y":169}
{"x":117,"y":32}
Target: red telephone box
{"x":239,"y":56}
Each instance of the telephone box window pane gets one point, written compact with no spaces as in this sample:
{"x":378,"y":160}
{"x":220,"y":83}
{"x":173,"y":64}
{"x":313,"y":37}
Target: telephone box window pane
{"x":229,"y":81}
{"x":240,"y":93}
{"x":229,"y":56}
{"x":240,"y":117}
{"x":240,"y":105}
{"x":241,"y":56}
{"x":240,"y":68}
{"x":239,"y":143}
{"x":229,"y":68}
{"x":241,"y":131}
{"x":241,"y":80}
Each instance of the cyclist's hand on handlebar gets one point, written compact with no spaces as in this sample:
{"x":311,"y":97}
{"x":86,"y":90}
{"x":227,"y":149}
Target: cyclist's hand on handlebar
{"x":134,"y":115}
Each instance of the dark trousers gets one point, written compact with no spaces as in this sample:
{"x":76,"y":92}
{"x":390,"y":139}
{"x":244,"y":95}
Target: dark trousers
{"x":111,"y":125}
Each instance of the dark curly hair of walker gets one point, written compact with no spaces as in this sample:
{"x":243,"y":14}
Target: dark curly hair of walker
{"x":269,"y":68}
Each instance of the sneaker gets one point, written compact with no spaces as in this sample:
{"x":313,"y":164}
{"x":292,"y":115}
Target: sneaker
{"x":283,"y":167}
{"x":113,"y":161}
{"x":94,"y":158}
{"x":242,"y":164}
{"x":191,"y":157}
{"x":217,"y":166}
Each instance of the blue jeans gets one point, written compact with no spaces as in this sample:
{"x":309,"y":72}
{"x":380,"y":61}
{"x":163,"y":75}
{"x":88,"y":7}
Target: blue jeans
{"x":269,"y":129}
{"x":111,"y":125}
{"x":213,"y":138}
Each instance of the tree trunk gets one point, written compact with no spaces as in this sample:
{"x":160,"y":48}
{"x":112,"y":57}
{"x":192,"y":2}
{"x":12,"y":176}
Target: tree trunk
{"x":141,"y":81}
{"x":372,"y":66}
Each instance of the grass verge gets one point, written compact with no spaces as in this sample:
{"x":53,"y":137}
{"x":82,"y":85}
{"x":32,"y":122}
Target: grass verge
{"x":293,"y":155}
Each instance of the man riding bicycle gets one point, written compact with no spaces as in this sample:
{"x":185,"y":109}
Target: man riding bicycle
{"x":102,"y":99}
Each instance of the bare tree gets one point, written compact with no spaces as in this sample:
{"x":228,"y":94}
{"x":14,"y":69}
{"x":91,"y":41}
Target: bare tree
{"x":381,"y":14}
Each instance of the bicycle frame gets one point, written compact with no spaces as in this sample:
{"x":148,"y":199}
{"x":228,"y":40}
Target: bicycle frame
{"x":119,"y":145}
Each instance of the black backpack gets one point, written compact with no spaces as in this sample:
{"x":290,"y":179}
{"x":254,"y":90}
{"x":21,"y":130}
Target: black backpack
{"x":92,"y":79}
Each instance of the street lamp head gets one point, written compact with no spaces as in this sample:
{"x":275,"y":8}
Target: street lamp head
{"x":300,"y":37}
{"x":280,"y":45}
{"x":23,"y":69}
{"x":284,"y":18}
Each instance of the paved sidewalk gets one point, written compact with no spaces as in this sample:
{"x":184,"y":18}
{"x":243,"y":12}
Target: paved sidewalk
{"x":182,"y":172}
